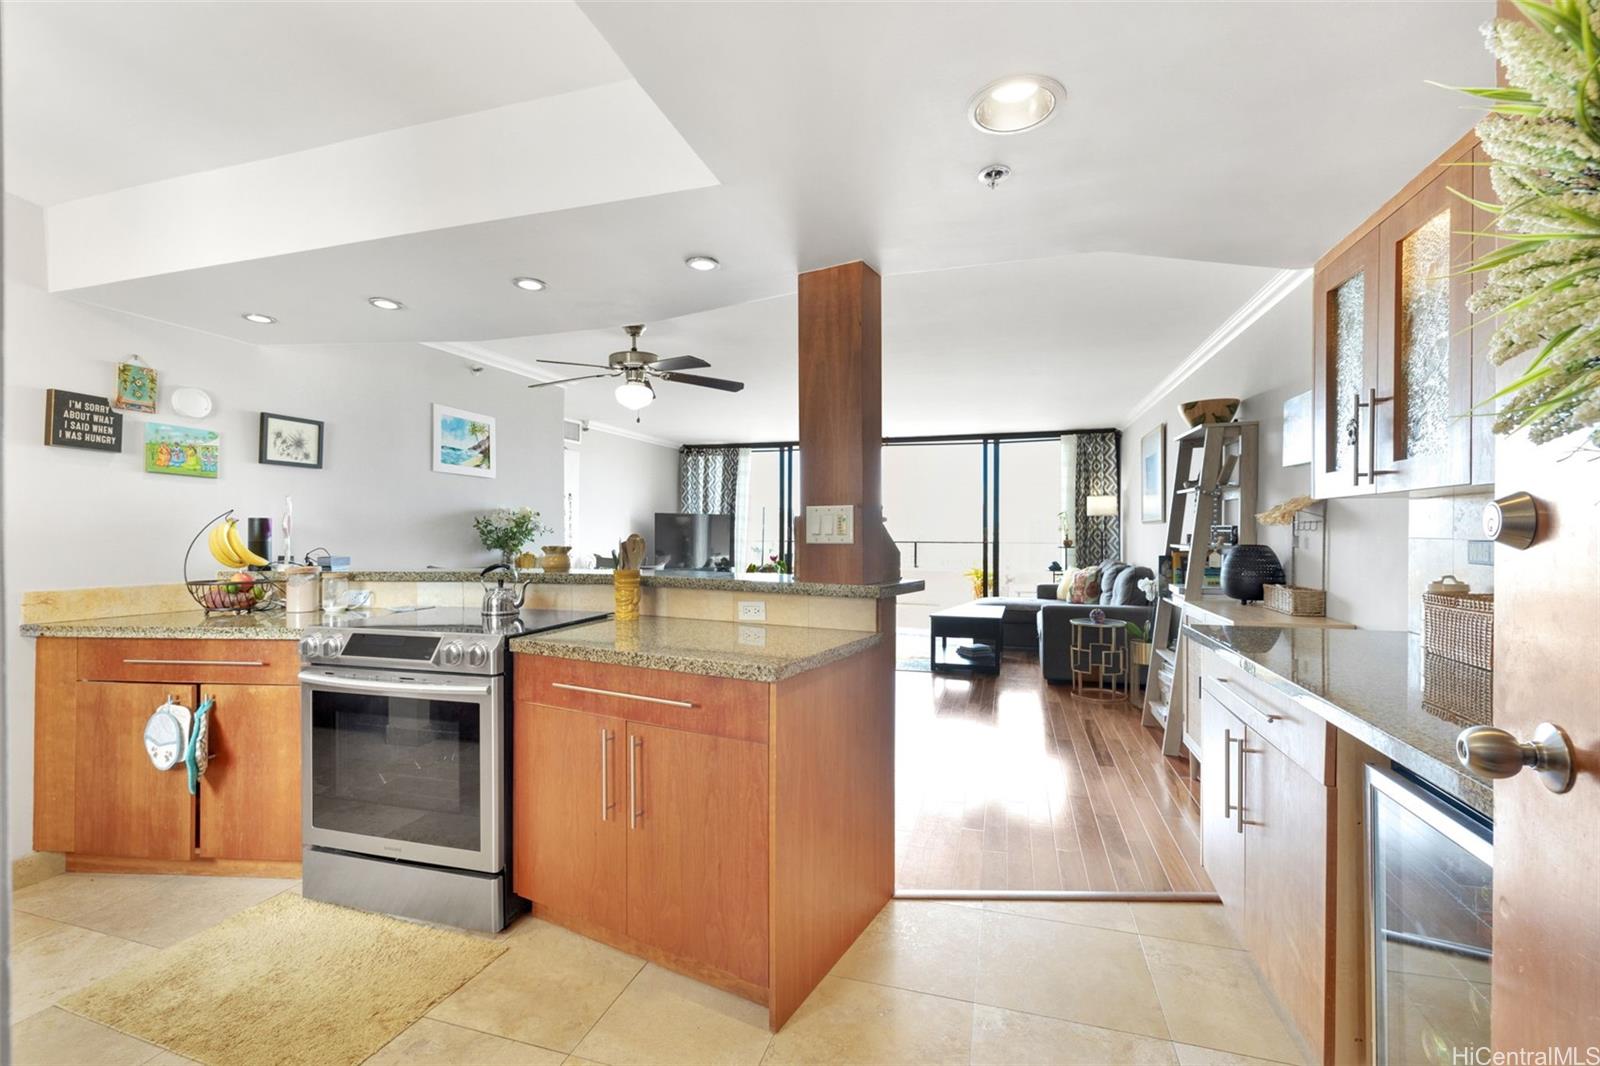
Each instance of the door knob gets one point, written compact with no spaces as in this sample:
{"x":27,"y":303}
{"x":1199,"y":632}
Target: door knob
{"x":1494,"y":752}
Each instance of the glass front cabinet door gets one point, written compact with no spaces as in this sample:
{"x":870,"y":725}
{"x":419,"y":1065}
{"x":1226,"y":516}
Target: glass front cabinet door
{"x":1346,"y":371}
{"x":1421,"y":407}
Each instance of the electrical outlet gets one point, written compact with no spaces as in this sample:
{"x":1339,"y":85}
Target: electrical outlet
{"x":753,"y":635}
{"x":752,"y":610}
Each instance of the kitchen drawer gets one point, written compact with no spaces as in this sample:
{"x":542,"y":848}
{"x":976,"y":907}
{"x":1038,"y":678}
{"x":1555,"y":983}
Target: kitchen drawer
{"x":716,"y":705}
{"x":223,"y":662}
{"x":1302,"y":735}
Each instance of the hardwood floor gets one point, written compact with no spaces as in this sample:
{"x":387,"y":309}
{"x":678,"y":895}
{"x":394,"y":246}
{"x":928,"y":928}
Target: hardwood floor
{"x":1011,"y":783}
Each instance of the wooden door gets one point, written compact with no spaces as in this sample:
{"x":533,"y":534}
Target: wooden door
{"x":250,"y":794}
{"x":1287,"y":840}
{"x":125,"y":806}
{"x":697,"y":848}
{"x":1345,"y":343}
{"x":1423,"y":417}
{"x":569,"y":849}
{"x":1221,"y":835}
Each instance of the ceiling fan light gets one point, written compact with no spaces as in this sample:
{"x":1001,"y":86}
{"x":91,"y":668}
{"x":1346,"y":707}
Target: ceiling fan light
{"x":635,"y":395}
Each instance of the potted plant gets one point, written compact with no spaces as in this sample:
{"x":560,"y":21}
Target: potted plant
{"x":976,"y":576}
{"x":509,"y":530}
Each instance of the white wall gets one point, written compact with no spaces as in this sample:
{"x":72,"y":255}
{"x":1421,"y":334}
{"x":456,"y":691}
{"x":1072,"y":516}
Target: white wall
{"x":76,"y":518}
{"x":1268,"y":363}
{"x":622,"y":483}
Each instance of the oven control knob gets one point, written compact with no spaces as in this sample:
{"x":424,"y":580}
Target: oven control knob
{"x":450,"y":654}
{"x":477,"y":655}
{"x":310,"y":647}
{"x":333,"y":645}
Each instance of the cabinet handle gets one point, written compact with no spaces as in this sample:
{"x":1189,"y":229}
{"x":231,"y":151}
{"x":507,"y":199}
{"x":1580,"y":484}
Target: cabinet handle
{"x":1263,"y":712}
{"x":1355,"y":440}
{"x":193,"y":662}
{"x":635,"y":745}
{"x":605,"y":775}
{"x":620,"y":695}
{"x":1238,"y":808}
{"x":1227,"y":774}
{"x":1371,"y":404}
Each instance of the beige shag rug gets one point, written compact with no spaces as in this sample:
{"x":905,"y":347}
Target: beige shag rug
{"x":287,"y":982}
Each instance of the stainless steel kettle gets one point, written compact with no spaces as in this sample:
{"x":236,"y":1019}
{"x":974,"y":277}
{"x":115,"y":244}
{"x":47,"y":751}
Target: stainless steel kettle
{"x":500,"y":600}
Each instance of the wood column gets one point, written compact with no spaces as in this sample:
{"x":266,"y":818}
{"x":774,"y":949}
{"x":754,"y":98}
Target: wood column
{"x":841,"y":422}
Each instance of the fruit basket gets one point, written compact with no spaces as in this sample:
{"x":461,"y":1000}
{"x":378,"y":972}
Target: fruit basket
{"x":238,"y":589}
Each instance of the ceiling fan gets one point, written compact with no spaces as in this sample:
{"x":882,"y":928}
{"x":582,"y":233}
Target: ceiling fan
{"x":637,"y":368}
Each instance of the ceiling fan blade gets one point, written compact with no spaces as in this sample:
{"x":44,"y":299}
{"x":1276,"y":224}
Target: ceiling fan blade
{"x":564,"y":362}
{"x":709,"y":383}
{"x":563,"y":381}
{"x":679,"y":362}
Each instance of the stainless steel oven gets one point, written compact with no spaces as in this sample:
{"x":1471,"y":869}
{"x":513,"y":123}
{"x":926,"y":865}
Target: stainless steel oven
{"x":406,"y":766}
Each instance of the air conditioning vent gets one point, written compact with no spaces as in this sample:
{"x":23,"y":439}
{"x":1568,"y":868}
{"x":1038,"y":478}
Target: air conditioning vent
{"x":572,"y":431}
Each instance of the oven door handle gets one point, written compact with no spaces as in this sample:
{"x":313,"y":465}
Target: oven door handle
{"x":388,"y":688}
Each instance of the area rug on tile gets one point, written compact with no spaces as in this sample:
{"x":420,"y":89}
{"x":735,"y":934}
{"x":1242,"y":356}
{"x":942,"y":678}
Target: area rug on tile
{"x":287,"y":982}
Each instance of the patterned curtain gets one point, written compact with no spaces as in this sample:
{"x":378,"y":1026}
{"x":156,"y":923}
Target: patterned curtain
{"x":716,"y":481}
{"x":1095,"y":472}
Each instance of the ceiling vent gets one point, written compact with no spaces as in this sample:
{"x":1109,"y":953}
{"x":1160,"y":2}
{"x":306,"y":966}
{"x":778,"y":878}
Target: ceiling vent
{"x":572,"y":431}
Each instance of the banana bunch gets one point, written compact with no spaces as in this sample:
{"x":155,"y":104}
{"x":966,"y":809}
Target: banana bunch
{"x":228,"y":548}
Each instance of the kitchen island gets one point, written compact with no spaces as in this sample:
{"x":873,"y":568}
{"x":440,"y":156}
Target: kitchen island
{"x":716,"y":797}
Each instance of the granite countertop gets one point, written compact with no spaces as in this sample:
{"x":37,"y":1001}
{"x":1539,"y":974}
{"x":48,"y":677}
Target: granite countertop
{"x":711,"y":649}
{"x":1368,"y":683}
{"x":182,"y":625}
{"x":710,"y":580}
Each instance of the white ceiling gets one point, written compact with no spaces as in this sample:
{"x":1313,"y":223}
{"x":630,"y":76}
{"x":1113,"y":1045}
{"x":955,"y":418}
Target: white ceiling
{"x":105,"y":95}
{"x":1200,"y":145}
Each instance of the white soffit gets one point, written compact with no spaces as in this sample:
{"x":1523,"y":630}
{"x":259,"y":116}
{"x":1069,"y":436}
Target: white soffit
{"x":579,"y":149}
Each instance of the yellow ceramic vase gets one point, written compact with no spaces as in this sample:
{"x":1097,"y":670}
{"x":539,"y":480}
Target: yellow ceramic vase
{"x":625,"y":585}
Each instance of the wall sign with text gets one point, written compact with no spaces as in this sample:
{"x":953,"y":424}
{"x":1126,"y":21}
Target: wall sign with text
{"x":78,"y":420}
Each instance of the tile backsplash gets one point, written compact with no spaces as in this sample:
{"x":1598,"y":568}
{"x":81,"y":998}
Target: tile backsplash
{"x":1445,"y":536}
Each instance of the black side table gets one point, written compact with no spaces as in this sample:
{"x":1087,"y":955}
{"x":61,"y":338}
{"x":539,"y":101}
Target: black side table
{"x":977,"y":622}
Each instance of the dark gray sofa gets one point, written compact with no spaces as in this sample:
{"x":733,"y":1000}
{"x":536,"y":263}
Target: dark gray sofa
{"x":1119,"y":598}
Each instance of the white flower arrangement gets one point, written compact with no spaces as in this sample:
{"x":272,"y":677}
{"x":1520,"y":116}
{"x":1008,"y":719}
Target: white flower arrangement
{"x":1542,"y":137}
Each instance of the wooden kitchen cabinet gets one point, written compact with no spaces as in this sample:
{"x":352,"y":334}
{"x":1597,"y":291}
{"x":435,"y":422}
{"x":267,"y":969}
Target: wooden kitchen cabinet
{"x":250,"y":794}
{"x":697,"y":847}
{"x":98,"y":799}
{"x":1345,"y":343}
{"x":1221,"y":825}
{"x":570,"y":843}
{"x":125,"y":808}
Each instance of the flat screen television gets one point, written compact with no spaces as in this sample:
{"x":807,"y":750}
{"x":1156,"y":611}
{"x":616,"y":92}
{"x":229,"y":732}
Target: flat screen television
{"x":694,"y":541}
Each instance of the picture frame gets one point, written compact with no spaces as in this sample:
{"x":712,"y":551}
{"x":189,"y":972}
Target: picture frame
{"x":1153,"y":475}
{"x":184,"y":451}
{"x":138,"y":387}
{"x":463,"y":442}
{"x":286,"y":440}
{"x":1297,"y":429}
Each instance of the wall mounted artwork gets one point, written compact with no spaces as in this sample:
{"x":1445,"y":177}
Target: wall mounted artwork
{"x":77,"y":420}
{"x":1297,"y":429}
{"x":181,"y":450}
{"x":463,"y":442}
{"x":1153,"y":475}
{"x":289,"y":441}
{"x":136,"y":386}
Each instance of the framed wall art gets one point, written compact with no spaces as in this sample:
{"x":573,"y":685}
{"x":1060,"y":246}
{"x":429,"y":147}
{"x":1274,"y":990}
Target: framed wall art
{"x":290,"y":441}
{"x":463,"y":442}
{"x":137,"y":388}
{"x":1153,"y":475}
{"x":182,"y":450}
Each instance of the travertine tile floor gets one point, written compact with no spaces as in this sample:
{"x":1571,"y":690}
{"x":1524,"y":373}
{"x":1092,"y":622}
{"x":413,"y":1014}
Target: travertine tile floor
{"x":1002,"y":983}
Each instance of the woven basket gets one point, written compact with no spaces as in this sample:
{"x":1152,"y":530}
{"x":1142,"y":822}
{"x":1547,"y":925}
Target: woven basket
{"x":1460,"y":627}
{"x":1457,"y":692}
{"x":1292,"y":599}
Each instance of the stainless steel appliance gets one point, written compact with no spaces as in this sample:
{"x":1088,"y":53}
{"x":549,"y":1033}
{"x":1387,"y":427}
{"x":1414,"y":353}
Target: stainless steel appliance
{"x":1430,"y":864}
{"x":693,"y":541}
{"x":406,"y":761}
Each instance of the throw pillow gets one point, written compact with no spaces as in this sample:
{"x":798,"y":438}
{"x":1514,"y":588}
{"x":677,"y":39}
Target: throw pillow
{"x":1080,"y":586}
{"x":1109,"y":573}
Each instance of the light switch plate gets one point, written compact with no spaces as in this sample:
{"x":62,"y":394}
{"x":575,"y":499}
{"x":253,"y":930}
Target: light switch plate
{"x":752,"y":610}
{"x":830,"y":525}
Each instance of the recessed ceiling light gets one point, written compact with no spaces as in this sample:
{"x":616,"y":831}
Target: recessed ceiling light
{"x":263,"y":320}
{"x":530,"y":284}
{"x":383,"y":303}
{"x":701,"y":262}
{"x":1015,"y":103}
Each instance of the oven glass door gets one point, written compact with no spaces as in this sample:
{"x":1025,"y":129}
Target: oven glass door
{"x":405,"y":776}
{"x":1431,"y":873}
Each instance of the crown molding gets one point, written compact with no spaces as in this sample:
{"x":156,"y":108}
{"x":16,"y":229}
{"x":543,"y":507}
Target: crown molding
{"x":630,"y":434}
{"x":1266,"y":298}
{"x":481,"y":356}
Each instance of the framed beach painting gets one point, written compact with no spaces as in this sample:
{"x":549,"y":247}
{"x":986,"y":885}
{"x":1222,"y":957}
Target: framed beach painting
{"x":463,"y":442}
{"x":290,"y":441}
{"x":1153,"y":475}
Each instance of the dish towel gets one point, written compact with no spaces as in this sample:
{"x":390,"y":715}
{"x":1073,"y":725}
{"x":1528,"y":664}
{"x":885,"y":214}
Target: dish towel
{"x":198,"y":752}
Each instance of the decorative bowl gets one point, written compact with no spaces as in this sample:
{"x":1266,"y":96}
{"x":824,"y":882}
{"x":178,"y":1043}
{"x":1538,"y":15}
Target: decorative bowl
{"x":1209,"y":412}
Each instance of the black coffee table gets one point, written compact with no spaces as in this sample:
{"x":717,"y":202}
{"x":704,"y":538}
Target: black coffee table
{"x":982,"y":623}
